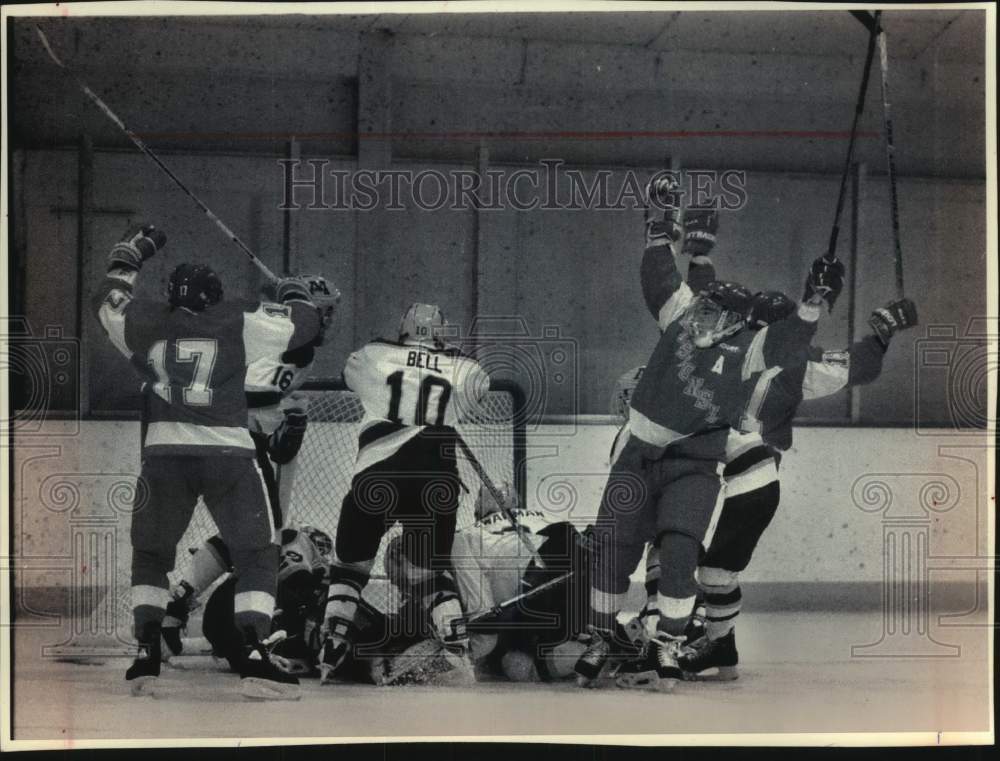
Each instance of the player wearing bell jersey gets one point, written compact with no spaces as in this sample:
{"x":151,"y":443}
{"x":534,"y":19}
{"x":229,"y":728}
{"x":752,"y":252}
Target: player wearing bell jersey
{"x":195,"y":350}
{"x":277,"y":423}
{"x":668,"y":463}
{"x":414,"y":391}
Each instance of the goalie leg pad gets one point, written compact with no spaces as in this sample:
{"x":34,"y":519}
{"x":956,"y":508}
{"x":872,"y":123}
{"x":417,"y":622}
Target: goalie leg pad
{"x":427,"y":662}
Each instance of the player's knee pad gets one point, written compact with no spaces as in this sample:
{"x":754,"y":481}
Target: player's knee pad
{"x":679,"y":554}
{"x":717,"y":578}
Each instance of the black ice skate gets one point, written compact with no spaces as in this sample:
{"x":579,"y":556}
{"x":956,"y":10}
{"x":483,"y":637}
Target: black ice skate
{"x":712,"y":659}
{"x":590,"y":665}
{"x":332,"y":655}
{"x":175,"y":621}
{"x":145,"y":669}
{"x":260,"y":679}
{"x":654,"y":669}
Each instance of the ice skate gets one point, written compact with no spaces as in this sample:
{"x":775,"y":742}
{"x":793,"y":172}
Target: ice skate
{"x":654,"y":669}
{"x":144,"y":672}
{"x":590,"y":665}
{"x":261,"y":679}
{"x":711,"y":659}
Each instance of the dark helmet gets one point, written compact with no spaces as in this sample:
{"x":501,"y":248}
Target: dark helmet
{"x":194,"y":287}
{"x":768,"y":307}
{"x":718,"y":311}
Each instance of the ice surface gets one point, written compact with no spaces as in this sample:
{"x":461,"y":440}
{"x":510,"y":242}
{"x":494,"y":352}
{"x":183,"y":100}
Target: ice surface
{"x":797,"y":674}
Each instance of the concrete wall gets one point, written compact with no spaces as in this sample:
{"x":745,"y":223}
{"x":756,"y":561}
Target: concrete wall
{"x":73,"y":479}
{"x":660,"y":71}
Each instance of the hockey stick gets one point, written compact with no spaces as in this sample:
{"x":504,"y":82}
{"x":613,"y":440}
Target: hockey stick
{"x":831,"y":250}
{"x":494,"y":492}
{"x":156,"y":159}
{"x":498,"y":610}
{"x":890,"y":149}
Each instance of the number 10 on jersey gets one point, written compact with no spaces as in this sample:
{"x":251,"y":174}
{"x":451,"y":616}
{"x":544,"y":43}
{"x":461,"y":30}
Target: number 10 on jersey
{"x":423,"y":404}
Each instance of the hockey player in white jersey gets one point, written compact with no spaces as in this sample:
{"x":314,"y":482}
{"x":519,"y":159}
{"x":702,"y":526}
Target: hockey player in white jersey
{"x":413,"y":390}
{"x":277,"y":420}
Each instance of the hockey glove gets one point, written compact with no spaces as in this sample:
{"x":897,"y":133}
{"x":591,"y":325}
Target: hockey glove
{"x":700,"y":228}
{"x":892,"y":318}
{"x":138,"y":245}
{"x":292,"y":289}
{"x":663,"y":193}
{"x":824,"y":282}
{"x":284,"y":444}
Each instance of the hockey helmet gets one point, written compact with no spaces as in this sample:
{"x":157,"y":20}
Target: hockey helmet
{"x":325,"y":296}
{"x":193,"y":287}
{"x":422,"y":324}
{"x":768,"y":307}
{"x":320,"y":539}
{"x":486,"y":503}
{"x":717,"y":312}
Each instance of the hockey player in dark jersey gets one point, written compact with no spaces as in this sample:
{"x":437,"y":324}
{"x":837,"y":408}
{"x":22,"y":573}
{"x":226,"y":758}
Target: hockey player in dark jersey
{"x":414,"y":391}
{"x":277,"y":423}
{"x":195,"y":350}
{"x":667,"y":468}
{"x":751,"y":472}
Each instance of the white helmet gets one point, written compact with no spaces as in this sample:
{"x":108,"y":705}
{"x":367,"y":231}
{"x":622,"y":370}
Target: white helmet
{"x":487,"y":505}
{"x":324,"y":294}
{"x":422,"y":324}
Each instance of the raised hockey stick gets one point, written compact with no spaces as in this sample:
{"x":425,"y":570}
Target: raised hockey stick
{"x":156,"y":159}
{"x":890,"y":149}
{"x":494,"y":492}
{"x":831,"y":250}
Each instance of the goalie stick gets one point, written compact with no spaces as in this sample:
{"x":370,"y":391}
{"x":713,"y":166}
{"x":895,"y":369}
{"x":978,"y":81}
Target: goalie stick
{"x":96,"y":99}
{"x":477,"y":621}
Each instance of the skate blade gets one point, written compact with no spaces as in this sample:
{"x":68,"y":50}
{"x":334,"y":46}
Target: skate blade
{"x":255,"y":688}
{"x":325,"y":674}
{"x":143,"y":686}
{"x":646,"y":680}
{"x":715,"y":674}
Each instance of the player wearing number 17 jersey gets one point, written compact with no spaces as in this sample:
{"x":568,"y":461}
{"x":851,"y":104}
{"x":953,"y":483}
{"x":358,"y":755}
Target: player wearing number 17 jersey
{"x":194,"y":350}
{"x":414,"y":391}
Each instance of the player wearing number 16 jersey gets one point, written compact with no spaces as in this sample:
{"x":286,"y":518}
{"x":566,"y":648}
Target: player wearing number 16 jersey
{"x":195,"y":350}
{"x":414,"y":391}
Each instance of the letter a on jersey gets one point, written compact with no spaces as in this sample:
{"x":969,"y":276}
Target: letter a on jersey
{"x":717,"y":367}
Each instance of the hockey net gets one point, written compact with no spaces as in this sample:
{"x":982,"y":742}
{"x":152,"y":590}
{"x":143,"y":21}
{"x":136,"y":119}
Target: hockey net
{"x":323,"y":469}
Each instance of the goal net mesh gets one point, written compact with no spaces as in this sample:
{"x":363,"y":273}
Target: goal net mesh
{"x":321,"y":474}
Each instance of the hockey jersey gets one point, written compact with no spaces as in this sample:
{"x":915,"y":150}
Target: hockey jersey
{"x":405,"y":388}
{"x":687,"y":390}
{"x":774,"y":397}
{"x":196,"y":362}
{"x":271,"y":379}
